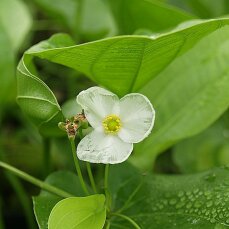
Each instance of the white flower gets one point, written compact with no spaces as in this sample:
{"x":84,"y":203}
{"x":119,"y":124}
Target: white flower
{"x":117,"y":124}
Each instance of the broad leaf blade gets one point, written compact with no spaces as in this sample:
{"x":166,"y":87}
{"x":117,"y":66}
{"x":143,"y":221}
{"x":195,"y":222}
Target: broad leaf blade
{"x":188,"y":96}
{"x":126,"y":63}
{"x":79,"y":213}
{"x":198,"y":201}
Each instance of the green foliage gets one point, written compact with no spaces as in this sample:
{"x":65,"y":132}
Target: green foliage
{"x":44,"y":203}
{"x":157,"y":16}
{"x":188,"y":96}
{"x":16,"y":19}
{"x":12,"y":13}
{"x":139,"y":63}
{"x":205,"y":150}
{"x":177,"y":201}
{"x":86,"y":19}
{"x":79,"y":213}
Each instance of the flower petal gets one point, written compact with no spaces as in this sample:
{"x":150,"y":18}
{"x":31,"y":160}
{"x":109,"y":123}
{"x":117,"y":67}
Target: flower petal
{"x":98,"y":147}
{"x":137,"y":115}
{"x":97,"y":104}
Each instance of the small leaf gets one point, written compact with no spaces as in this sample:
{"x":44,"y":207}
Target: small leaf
{"x":45,"y":201}
{"x":79,"y":213}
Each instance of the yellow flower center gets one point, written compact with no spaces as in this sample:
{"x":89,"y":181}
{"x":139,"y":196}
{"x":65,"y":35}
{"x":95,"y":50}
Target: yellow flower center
{"x":112,"y":124}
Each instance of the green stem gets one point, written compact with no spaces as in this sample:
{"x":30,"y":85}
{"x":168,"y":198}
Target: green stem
{"x":46,"y":156}
{"x":91,"y":177}
{"x":78,"y":170}
{"x":128,"y":219}
{"x":35,"y":181}
{"x":107,"y":194}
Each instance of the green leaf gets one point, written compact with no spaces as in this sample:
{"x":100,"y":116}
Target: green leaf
{"x":16,"y":19}
{"x":188,"y":96}
{"x":44,"y":203}
{"x":157,"y":16}
{"x":87,"y":19}
{"x":198,"y":201}
{"x":38,"y":101}
{"x":205,"y":150}
{"x":79,"y":213}
{"x":126,"y":63}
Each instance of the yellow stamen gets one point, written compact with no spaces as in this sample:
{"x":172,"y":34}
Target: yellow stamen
{"x":112,"y":124}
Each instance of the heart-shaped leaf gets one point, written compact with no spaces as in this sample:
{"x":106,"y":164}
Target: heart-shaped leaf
{"x":79,"y":213}
{"x":44,"y":203}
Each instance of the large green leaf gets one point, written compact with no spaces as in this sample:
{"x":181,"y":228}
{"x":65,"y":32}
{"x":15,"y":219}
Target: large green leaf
{"x":44,"y":203}
{"x":79,"y":213}
{"x":188,"y":96}
{"x":126,"y":63}
{"x":16,"y":20}
{"x":198,"y":201}
{"x":157,"y":16}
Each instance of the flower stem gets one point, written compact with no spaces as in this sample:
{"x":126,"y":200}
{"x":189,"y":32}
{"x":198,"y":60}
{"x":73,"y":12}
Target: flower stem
{"x":107,"y":194}
{"x":91,"y":177}
{"x":35,"y":181}
{"x":78,"y":170}
{"x":128,"y":219}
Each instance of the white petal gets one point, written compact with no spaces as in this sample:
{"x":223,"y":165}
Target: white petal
{"x":98,"y":147}
{"x":137,"y":116}
{"x":97,"y":104}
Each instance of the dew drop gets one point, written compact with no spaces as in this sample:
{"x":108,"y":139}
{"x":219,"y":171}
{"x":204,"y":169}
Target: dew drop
{"x":172,"y":201}
{"x":209,"y":204}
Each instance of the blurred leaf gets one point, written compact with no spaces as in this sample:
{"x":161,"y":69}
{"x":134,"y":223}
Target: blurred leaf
{"x":86,"y":19}
{"x":157,"y":16}
{"x":197,"y":201}
{"x":205,"y":150}
{"x":7,"y":85}
{"x":203,"y":8}
{"x":79,"y":213}
{"x":188,"y":96}
{"x":44,"y":203}
{"x":71,"y":108}
{"x":16,"y":20}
